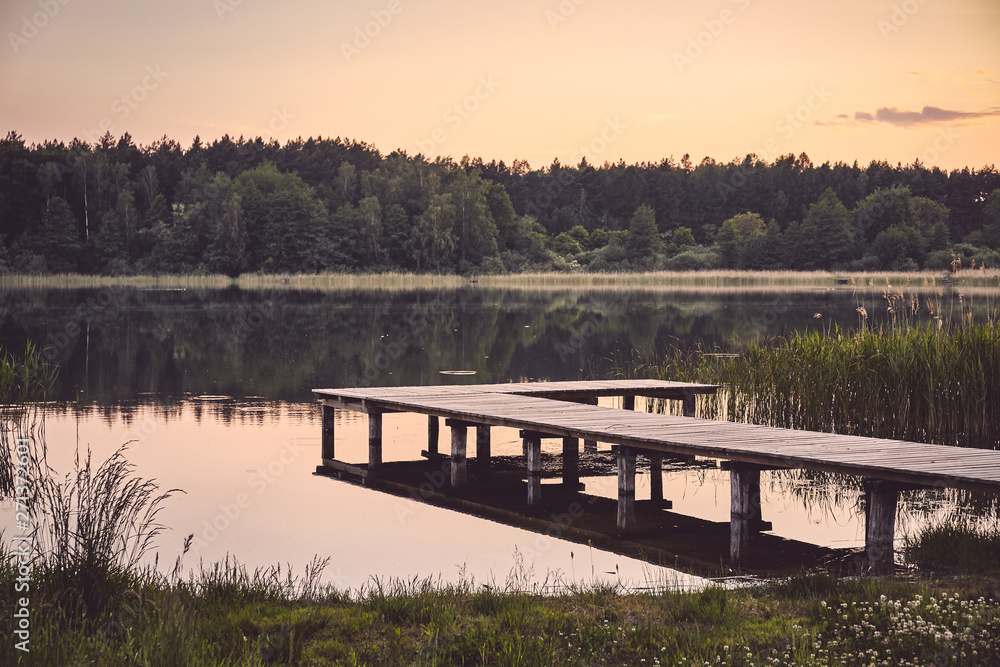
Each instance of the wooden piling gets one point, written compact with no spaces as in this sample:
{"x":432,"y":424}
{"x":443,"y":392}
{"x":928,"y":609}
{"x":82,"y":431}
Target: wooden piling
{"x":744,"y":514}
{"x":459,"y":462}
{"x":433,"y":433}
{"x":589,"y":446}
{"x":483,"y":445}
{"x":626,"y":490}
{"x":571,"y":463}
{"x":533,"y":445}
{"x":688,"y":403}
{"x":881,"y":498}
{"x":329,"y":413}
{"x":656,"y":478}
{"x":374,"y":441}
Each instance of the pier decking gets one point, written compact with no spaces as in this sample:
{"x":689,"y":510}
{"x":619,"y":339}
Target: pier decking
{"x":568,"y":410}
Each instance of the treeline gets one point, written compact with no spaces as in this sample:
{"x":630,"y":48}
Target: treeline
{"x":314,"y":205}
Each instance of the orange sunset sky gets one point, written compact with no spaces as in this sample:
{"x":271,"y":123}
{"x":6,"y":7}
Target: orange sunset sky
{"x":636,"y":80}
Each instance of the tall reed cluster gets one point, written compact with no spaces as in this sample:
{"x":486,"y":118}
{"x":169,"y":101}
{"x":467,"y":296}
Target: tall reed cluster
{"x":924,"y":382}
{"x":24,"y":383}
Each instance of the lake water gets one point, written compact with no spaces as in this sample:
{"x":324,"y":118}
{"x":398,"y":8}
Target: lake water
{"x":213,"y":389}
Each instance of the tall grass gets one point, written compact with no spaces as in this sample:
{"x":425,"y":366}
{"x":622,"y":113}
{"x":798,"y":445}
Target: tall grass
{"x":905,"y":380}
{"x":922,"y":384}
{"x":25,"y":382}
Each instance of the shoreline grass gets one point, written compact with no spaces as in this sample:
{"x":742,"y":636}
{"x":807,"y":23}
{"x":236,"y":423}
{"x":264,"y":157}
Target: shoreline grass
{"x":226,"y":615}
{"x":922,"y":281}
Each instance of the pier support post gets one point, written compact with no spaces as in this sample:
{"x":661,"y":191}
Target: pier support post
{"x":433,"y":431}
{"x":533,"y":445}
{"x":688,"y":403}
{"x":880,"y":525}
{"x":571,"y":463}
{"x":459,"y":462}
{"x":327,"y":449}
{"x":374,"y":441}
{"x":745,"y":514}
{"x":589,"y":445}
{"x":656,"y":478}
{"x":626,"y":490}
{"x":483,"y":446}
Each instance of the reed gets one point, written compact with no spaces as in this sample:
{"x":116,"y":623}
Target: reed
{"x":25,"y":382}
{"x":930,"y":281}
{"x":905,"y":380}
{"x":956,"y":547}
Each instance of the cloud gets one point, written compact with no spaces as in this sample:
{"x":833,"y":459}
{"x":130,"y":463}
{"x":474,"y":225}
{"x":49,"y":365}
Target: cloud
{"x":902,"y":118}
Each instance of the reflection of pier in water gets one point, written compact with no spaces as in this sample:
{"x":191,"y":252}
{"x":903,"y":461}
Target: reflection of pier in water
{"x":568,"y":411}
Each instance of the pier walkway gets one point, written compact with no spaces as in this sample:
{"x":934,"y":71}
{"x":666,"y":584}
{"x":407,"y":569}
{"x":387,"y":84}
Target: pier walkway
{"x":568,"y":410}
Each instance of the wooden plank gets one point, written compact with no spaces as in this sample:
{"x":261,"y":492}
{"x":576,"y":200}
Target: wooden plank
{"x":347,"y":468}
{"x":505,"y":405}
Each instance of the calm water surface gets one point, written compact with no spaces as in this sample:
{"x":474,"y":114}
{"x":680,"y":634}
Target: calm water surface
{"x":213,"y":388}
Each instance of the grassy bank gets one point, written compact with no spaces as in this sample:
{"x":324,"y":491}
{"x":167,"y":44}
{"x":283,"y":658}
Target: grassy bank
{"x":700,"y":280}
{"x":227,"y":616}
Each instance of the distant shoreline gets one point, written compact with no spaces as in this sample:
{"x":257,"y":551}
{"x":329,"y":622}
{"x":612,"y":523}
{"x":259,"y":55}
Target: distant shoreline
{"x":660,"y":280}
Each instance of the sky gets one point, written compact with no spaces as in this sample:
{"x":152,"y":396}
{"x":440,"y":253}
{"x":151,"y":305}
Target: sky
{"x":633,"y":80}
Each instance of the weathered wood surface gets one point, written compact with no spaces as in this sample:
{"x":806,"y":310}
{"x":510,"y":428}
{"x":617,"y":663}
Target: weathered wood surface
{"x":506,"y":405}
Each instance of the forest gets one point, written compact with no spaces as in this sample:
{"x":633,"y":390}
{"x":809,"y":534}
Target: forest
{"x":312,"y":205}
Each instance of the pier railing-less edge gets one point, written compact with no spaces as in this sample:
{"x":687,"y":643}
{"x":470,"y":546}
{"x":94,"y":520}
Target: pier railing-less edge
{"x":569,"y":410}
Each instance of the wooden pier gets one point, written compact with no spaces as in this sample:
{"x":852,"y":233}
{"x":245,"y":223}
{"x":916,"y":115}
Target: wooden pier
{"x":568,"y":410}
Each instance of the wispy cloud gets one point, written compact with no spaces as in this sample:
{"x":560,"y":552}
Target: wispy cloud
{"x":903,"y":118}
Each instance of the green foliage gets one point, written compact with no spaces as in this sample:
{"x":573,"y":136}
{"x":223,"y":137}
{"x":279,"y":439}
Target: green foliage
{"x":827,"y":235}
{"x":742,"y":242}
{"x":955,"y":547}
{"x":433,"y":240}
{"x":643,"y":242}
{"x":338,"y":205}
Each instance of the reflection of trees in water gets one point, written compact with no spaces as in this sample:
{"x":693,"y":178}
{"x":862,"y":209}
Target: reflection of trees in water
{"x":282,"y":343}
{"x":838,"y":495}
{"x":148,"y":411}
